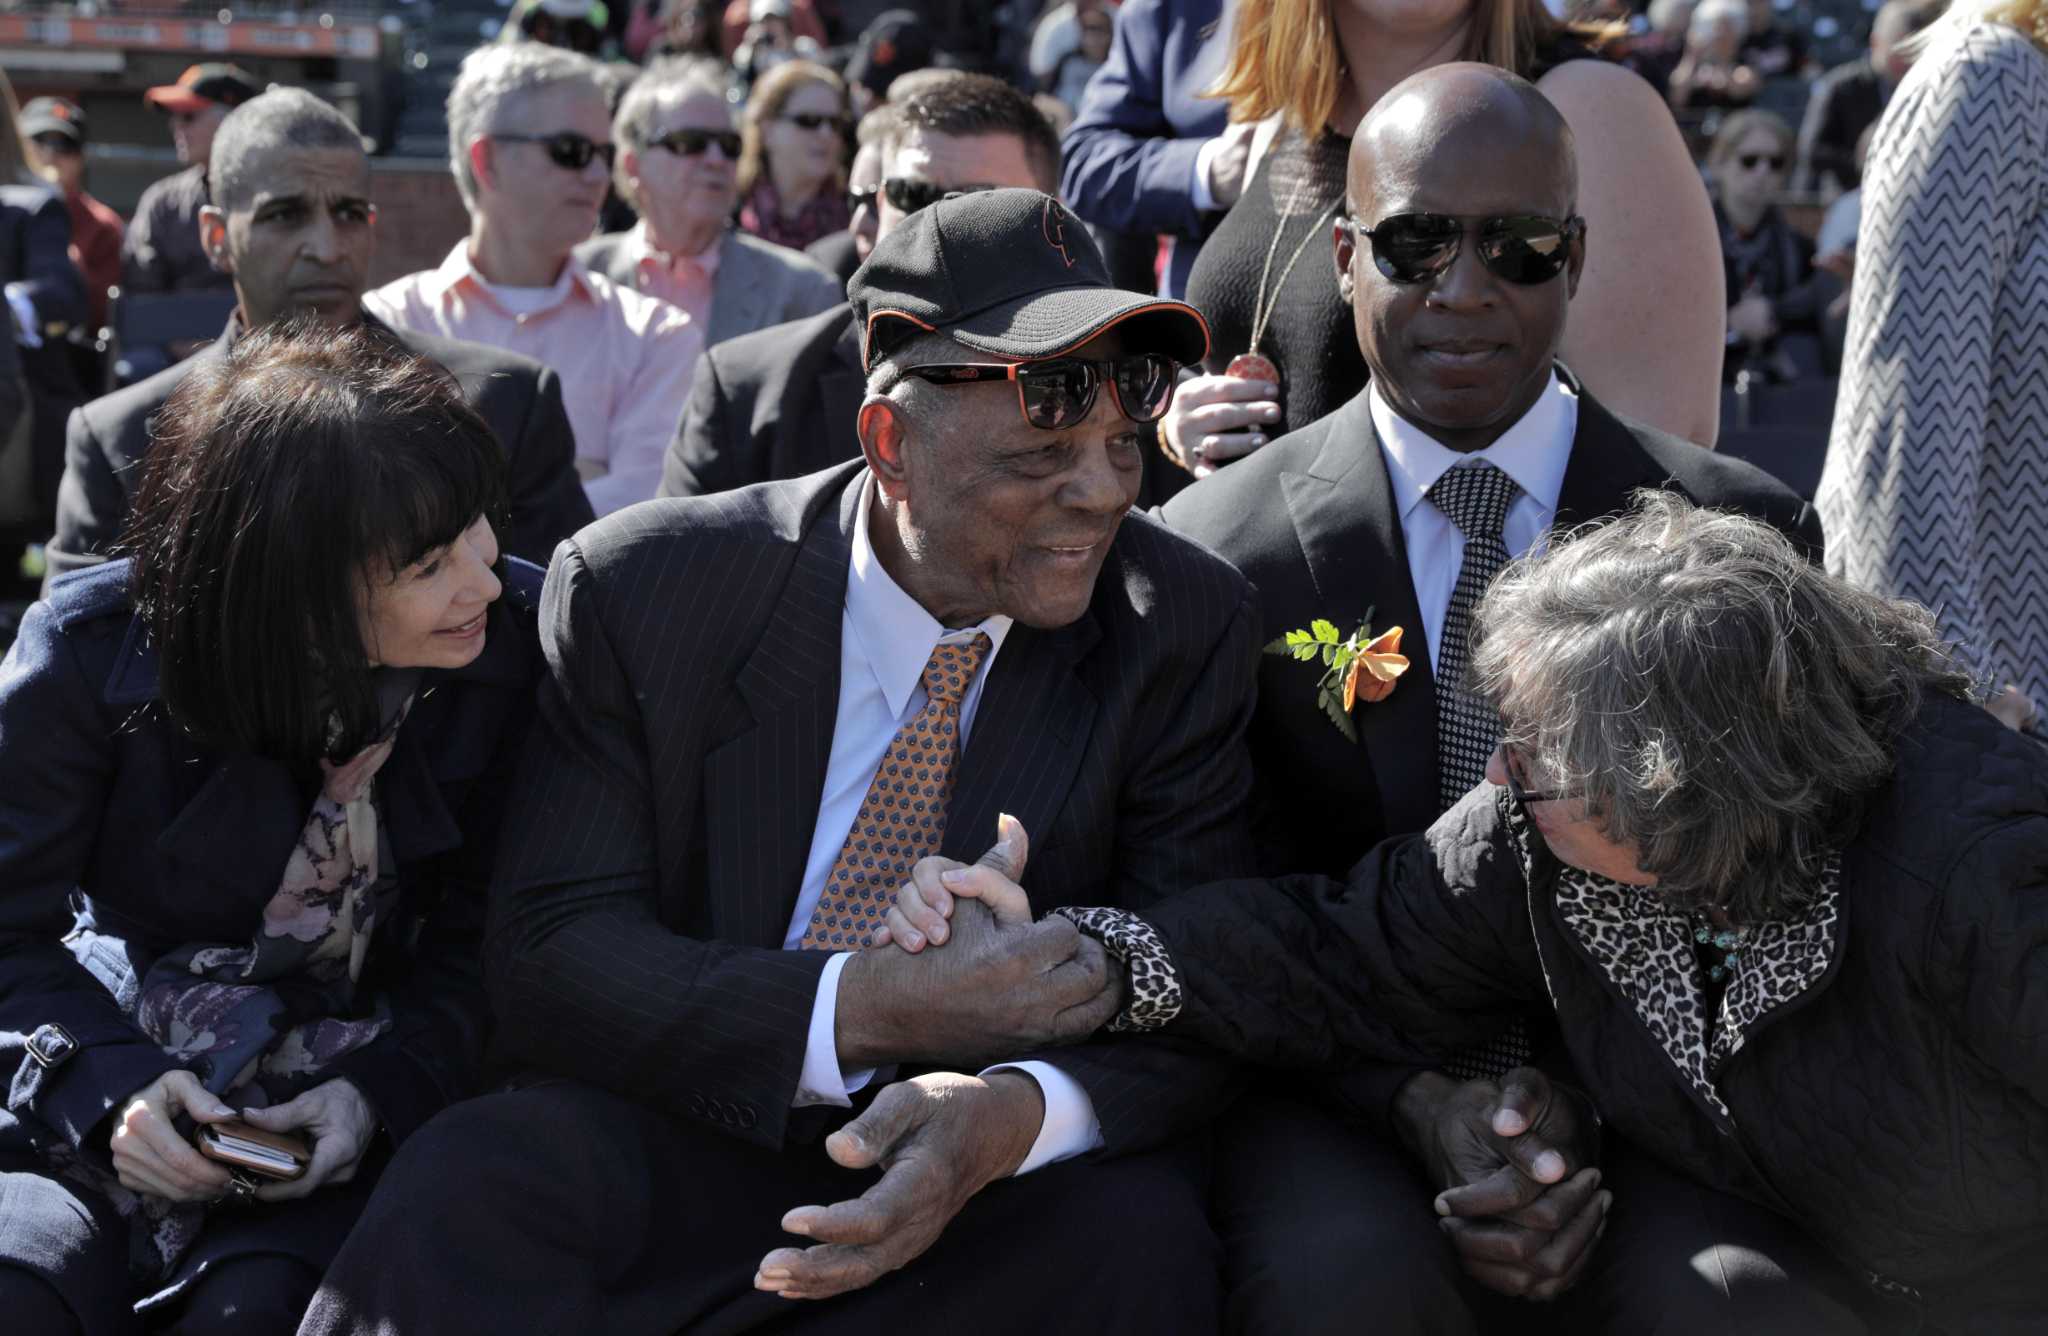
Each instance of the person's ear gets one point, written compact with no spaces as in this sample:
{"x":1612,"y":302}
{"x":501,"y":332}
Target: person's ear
{"x":213,"y":238}
{"x":1345,"y":247}
{"x":885,"y":442}
{"x":629,"y":168}
{"x":1577,"y":265}
{"x":480,"y":165}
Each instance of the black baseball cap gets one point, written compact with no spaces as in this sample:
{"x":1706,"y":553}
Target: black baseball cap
{"x":894,"y":44}
{"x":203,"y":86}
{"x":54,"y":116}
{"x":1008,"y":272}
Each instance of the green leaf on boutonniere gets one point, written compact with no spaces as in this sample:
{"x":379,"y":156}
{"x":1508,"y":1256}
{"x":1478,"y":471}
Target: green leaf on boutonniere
{"x":1333,"y":706}
{"x":1357,"y":666}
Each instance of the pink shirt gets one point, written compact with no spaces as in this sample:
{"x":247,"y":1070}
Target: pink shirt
{"x":680,"y":280}
{"x":625,"y":359}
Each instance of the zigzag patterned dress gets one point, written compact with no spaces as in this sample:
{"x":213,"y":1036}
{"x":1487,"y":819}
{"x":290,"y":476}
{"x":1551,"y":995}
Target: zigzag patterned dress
{"x":1936,"y":485}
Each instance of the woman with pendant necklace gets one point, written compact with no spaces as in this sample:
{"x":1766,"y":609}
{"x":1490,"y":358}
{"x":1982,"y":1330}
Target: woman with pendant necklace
{"x":1647,"y":325}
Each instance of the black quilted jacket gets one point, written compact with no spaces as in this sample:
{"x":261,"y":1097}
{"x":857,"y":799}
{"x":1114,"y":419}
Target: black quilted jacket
{"x":1897,"y":1107}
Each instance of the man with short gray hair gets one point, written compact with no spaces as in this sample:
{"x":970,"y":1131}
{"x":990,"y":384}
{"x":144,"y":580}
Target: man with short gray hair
{"x":292,"y":225}
{"x":678,"y":167}
{"x":530,"y":144}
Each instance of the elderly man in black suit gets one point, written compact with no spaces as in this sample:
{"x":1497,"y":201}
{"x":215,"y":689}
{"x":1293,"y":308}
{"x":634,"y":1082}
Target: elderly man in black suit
{"x":781,"y":402}
{"x":1460,"y":255}
{"x":764,"y":707}
{"x":291,"y":223}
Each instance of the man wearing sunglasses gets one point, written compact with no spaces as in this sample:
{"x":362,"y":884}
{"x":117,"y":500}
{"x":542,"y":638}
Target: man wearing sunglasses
{"x":530,"y":141}
{"x":765,"y":707}
{"x":1459,"y":254}
{"x":678,"y":161}
{"x":782,"y":402}
{"x":293,"y":228}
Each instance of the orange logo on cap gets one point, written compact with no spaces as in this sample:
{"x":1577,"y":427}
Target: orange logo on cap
{"x":1054,"y":224}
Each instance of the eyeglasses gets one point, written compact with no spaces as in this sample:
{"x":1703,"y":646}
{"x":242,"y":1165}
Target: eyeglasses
{"x":1059,"y":392}
{"x":812,"y":120}
{"x":690,"y":143}
{"x":1523,"y":248}
{"x":1750,"y":161}
{"x":1513,"y":767}
{"x":863,"y":198}
{"x":566,"y":149}
{"x":907,"y":194}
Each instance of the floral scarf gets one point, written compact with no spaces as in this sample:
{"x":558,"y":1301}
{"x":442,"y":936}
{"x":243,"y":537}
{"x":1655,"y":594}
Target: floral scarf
{"x":262,"y":1021}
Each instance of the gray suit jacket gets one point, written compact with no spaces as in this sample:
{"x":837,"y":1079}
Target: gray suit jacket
{"x":759,"y":283}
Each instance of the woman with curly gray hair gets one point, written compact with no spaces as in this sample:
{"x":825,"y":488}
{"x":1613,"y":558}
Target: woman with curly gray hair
{"x":1786,"y":890}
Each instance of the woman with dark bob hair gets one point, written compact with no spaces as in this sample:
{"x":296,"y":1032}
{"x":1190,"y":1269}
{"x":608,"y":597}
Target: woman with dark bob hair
{"x":1785,"y":886}
{"x":247,"y":811}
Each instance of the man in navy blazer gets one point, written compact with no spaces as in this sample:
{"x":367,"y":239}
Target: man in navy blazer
{"x":1142,"y":153}
{"x":738,"y":687}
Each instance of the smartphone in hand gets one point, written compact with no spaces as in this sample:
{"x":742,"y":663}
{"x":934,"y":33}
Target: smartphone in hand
{"x":239,"y":1145}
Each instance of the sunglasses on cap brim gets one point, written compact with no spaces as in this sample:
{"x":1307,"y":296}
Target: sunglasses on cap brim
{"x":1526,"y":249}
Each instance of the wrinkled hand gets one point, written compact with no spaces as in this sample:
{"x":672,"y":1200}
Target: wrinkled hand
{"x":1520,"y":1199}
{"x":340,"y":1122}
{"x":1004,"y":985}
{"x":1227,"y":165}
{"x":940,"y":1139}
{"x":1217,"y":418}
{"x":150,"y":1156}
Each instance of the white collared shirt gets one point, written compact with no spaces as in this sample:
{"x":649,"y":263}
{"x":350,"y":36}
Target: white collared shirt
{"x":885,"y":639}
{"x":1534,"y":452}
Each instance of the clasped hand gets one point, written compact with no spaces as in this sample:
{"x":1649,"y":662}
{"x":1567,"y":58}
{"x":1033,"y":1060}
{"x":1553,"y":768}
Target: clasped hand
{"x":1003,"y":987}
{"x":150,"y":1156}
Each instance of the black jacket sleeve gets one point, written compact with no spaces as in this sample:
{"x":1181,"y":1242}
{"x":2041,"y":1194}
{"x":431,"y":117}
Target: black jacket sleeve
{"x":546,"y":497}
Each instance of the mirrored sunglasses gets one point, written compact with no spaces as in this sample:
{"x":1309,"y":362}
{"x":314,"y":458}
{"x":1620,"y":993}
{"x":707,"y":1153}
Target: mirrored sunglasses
{"x":566,"y":149}
{"x":690,"y":143}
{"x":1059,"y":392}
{"x":1523,"y":248}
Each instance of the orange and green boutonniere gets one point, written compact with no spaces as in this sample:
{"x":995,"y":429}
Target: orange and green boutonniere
{"x":1358,"y":667}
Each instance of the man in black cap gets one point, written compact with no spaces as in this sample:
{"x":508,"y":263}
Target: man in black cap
{"x":162,"y":253}
{"x":54,"y":130}
{"x":763,"y":708}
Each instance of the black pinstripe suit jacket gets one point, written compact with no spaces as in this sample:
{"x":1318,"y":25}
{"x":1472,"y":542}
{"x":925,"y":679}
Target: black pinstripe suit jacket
{"x":659,"y":828}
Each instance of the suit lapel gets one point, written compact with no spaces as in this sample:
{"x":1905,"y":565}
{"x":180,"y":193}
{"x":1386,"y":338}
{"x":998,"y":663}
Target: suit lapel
{"x":738,"y":294}
{"x":761,"y":788}
{"x":1350,"y":533}
{"x":1607,"y":463}
{"x":1033,"y":723}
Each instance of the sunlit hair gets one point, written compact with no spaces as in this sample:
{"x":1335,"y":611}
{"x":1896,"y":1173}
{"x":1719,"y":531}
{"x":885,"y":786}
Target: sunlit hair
{"x":280,"y":118}
{"x":492,"y":82}
{"x":1717,"y":701}
{"x":1740,"y":125}
{"x":286,"y":480}
{"x":770,"y":95}
{"x":668,"y":82}
{"x":969,"y":106}
{"x":1284,"y":55}
{"x":2029,"y":16}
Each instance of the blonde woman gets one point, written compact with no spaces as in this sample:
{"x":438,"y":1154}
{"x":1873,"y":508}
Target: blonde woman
{"x":1646,"y":327}
{"x":793,"y":156}
{"x":1936,"y":485}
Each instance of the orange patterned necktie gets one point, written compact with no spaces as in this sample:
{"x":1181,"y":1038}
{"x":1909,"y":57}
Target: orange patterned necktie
{"x":903,"y":818}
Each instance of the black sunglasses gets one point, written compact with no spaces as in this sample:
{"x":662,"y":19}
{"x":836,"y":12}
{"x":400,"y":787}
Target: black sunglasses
{"x":689,"y":143}
{"x":1523,"y":248}
{"x":811,"y":120}
{"x":863,"y":198}
{"x":1059,"y":392}
{"x":566,"y":149}
{"x":907,"y":194}
{"x":1749,"y":161}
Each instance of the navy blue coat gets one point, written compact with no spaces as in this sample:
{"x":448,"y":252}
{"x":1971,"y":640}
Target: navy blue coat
{"x":1130,"y":153}
{"x":107,"y":807}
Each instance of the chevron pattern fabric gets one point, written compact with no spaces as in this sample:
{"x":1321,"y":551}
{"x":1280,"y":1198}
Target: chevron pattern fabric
{"x":1936,"y":485}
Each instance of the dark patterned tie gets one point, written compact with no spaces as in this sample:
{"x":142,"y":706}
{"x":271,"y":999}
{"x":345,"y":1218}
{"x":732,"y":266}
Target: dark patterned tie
{"x":1475,"y":497}
{"x":903,"y":818}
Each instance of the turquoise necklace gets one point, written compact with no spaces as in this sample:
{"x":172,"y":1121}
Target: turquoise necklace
{"x":1728,"y":941}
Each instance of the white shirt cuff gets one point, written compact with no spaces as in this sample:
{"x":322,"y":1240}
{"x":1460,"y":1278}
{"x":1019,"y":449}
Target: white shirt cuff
{"x":1070,"y":1127}
{"x":28,"y":328}
{"x":822,"y":1082}
{"x":1199,"y":194}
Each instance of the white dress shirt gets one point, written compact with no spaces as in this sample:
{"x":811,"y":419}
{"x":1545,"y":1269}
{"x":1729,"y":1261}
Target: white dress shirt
{"x":885,"y":640}
{"x":1533,"y":452}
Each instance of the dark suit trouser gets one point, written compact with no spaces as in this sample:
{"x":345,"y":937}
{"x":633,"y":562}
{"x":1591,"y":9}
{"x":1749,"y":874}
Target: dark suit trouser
{"x":1327,"y":1228}
{"x":564,"y":1208}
